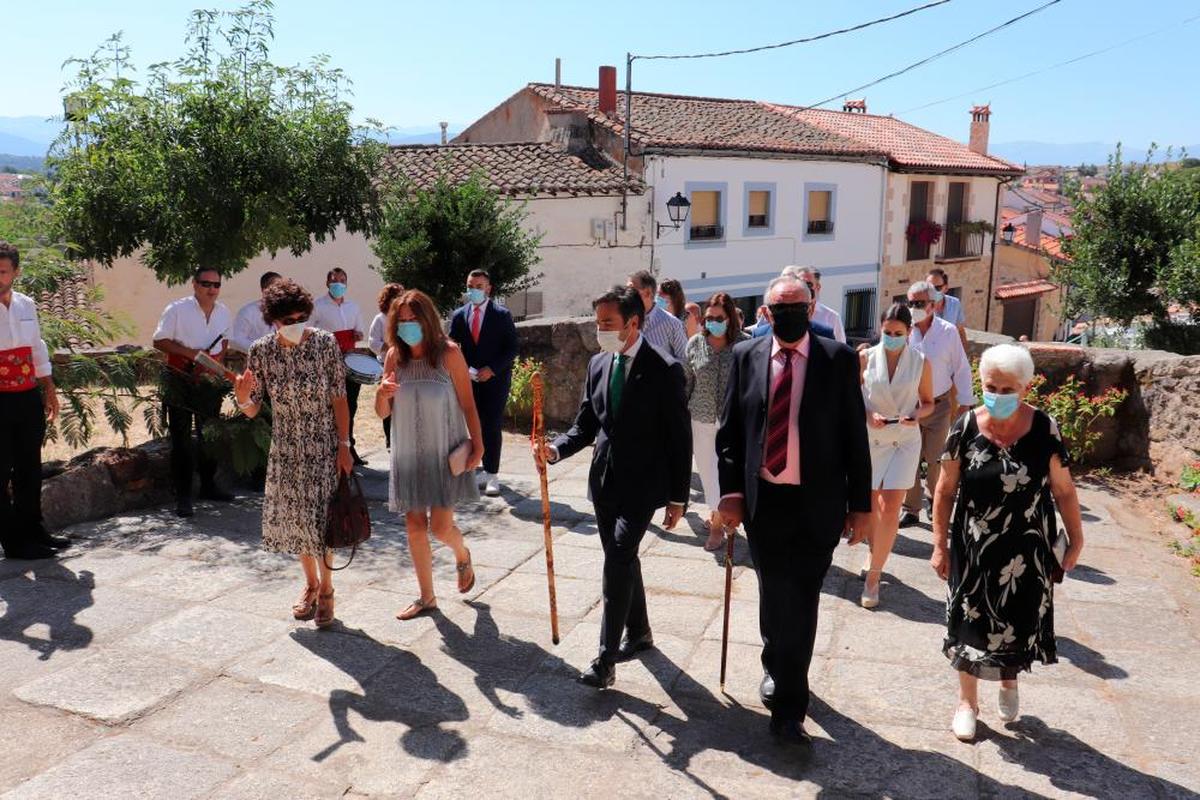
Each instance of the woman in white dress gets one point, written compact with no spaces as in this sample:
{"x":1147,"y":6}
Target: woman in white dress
{"x":897,"y":388}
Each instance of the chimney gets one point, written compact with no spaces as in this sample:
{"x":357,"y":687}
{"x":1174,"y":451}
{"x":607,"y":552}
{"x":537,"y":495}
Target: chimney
{"x":979,"y":129}
{"x":1033,"y":229}
{"x":608,"y":90}
{"x":855,"y":106}
{"x":557,"y":73}
{"x":443,"y":126}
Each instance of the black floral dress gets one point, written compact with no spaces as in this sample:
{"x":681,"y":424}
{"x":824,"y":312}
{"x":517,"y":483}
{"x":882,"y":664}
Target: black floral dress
{"x":1000,"y":597}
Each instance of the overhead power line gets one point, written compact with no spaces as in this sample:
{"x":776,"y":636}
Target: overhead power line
{"x":1060,"y":64}
{"x":805,"y":40}
{"x":935,"y":56}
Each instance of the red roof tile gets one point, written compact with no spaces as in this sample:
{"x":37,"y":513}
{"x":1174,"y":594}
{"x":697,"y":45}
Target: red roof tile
{"x":524,"y":169}
{"x":1014,"y":291}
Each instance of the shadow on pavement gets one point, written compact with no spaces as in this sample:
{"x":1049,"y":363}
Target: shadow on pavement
{"x":27,"y":602}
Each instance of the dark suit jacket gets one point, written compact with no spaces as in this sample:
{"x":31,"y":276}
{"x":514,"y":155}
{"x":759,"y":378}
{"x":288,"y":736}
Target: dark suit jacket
{"x":643,"y":458}
{"x":835,"y":457}
{"x":497,"y":346}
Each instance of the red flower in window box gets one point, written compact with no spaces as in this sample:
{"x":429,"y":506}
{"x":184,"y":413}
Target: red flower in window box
{"x":927,"y":232}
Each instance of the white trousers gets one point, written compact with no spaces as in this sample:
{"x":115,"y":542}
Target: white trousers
{"x":704,"y":451}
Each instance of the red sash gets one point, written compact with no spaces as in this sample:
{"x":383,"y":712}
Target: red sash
{"x":180,"y":363}
{"x":346,"y":339}
{"x":16,"y":370}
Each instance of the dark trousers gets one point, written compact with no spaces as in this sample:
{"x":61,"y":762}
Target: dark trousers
{"x":188,"y":454}
{"x":22,"y":428}
{"x":387,"y":431}
{"x":790,"y":560}
{"x":621,"y":533}
{"x":490,"y":399}
{"x":352,"y":390}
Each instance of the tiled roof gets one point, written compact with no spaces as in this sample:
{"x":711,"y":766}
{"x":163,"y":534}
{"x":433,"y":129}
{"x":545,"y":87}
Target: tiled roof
{"x":704,"y":123}
{"x":534,"y":168}
{"x":1015,"y":291}
{"x":1055,"y":227}
{"x":71,"y":301}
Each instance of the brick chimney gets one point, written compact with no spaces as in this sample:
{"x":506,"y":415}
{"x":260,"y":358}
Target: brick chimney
{"x":979,"y":128}
{"x":608,"y":90}
{"x":1033,"y":229}
{"x":855,"y":106}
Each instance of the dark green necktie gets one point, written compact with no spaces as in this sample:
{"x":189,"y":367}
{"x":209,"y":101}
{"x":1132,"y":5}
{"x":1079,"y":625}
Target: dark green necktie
{"x":616,"y":384}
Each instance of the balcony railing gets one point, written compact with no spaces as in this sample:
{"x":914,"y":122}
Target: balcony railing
{"x":707,"y":232}
{"x":961,"y":245}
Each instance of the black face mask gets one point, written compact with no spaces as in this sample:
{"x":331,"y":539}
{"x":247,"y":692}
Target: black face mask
{"x":790,"y":321}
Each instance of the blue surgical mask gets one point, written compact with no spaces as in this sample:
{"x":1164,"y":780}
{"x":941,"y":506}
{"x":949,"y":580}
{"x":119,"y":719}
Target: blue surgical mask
{"x":716,"y":328}
{"x":1001,"y":406}
{"x":894,"y":343}
{"x":476,"y":296}
{"x":410,"y":332}
{"x":337,"y":290}
{"x":661,"y":302}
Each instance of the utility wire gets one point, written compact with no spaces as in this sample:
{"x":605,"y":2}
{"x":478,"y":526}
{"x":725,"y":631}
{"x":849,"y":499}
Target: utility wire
{"x":819,"y":36}
{"x":935,"y":56}
{"x":1068,"y":62}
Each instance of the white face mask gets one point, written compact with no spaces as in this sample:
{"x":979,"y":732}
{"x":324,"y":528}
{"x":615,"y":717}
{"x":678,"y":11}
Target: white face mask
{"x":610,"y":341}
{"x":918,"y":315}
{"x":293,"y":333}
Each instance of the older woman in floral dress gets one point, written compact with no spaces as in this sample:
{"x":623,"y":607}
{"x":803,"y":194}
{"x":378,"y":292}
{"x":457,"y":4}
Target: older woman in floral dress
{"x":1003,"y":472}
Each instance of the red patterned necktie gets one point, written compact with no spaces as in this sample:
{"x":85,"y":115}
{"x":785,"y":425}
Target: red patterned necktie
{"x":475,"y":325}
{"x":777,"y":419}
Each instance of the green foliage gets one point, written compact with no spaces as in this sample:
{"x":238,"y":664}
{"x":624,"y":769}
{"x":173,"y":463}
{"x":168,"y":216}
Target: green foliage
{"x":1189,"y":478}
{"x":1174,"y":337}
{"x":215,"y":157}
{"x":520,"y":394}
{"x":110,"y":384}
{"x":1088,"y":170}
{"x":432,"y":237}
{"x":242,"y":442}
{"x":1134,"y":250}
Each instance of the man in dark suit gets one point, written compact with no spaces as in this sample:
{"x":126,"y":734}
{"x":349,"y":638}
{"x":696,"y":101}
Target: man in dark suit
{"x":634,"y":410}
{"x":488,"y":339}
{"x":795,"y":467}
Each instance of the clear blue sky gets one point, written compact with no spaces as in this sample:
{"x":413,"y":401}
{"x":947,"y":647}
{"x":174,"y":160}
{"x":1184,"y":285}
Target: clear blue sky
{"x":414,"y":63}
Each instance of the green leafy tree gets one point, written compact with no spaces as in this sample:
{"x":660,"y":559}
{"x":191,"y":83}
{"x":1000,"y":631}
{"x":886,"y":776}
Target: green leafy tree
{"x":1133,"y":251}
{"x":214,"y":157}
{"x":430,"y":238}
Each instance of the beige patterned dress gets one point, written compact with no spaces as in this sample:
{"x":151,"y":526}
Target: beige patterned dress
{"x":302,"y":382}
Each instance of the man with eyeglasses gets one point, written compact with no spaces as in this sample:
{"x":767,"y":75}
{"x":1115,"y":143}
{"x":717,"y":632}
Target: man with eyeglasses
{"x":946,"y":305}
{"x":938,"y":340}
{"x":188,"y":328}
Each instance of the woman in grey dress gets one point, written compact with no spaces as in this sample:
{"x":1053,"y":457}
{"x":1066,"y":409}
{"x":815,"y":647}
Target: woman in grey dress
{"x":427,"y":391}
{"x":300,"y":368}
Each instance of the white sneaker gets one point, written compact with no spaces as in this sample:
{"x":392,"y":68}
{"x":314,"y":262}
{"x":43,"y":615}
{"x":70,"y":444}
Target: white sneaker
{"x":1009,"y":703}
{"x":964,"y":723}
{"x":492,"y":487}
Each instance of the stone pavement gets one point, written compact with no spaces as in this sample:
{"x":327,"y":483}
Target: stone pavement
{"x":158,"y":658}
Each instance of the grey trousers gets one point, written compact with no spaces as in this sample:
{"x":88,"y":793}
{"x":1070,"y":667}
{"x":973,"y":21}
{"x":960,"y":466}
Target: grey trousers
{"x":933,"y":441}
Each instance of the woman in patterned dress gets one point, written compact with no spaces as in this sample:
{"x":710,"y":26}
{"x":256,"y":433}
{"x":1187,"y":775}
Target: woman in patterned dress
{"x":301,"y":370}
{"x":427,"y":391}
{"x":994,"y":542}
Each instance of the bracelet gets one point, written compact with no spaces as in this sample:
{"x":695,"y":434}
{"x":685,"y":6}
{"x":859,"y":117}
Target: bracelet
{"x":247,"y":405}
{"x":345,"y":443}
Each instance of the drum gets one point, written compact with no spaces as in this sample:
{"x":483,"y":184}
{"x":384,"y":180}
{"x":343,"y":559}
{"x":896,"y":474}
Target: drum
{"x":362,"y":368}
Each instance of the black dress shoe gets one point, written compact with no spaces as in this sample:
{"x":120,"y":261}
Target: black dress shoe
{"x":600,"y":675}
{"x":766,"y":690}
{"x":183,"y":508}
{"x":215,"y":494}
{"x":630,"y":648}
{"x":908,"y":519}
{"x":29,"y":551}
{"x":53,"y":542}
{"x":789,"y":731}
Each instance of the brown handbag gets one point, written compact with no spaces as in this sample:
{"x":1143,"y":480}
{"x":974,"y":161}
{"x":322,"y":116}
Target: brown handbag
{"x":348,"y":523}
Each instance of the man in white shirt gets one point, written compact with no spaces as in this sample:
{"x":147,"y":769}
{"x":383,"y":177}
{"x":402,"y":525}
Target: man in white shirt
{"x":822,"y":314}
{"x":946,"y":305}
{"x":27,"y":403}
{"x":188,"y":327}
{"x":249,"y":325}
{"x":662,"y":329}
{"x":938,"y":340}
{"x":338,"y":314}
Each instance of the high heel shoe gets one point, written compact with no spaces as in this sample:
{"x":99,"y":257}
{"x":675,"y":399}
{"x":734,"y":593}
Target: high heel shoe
{"x":324,"y":615}
{"x":870,"y":597}
{"x":306,"y":607}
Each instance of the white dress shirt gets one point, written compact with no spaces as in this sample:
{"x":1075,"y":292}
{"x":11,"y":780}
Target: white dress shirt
{"x":791,"y":471}
{"x":333,"y":317}
{"x":183,"y":322}
{"x":830,"y":319}
{"x":375,"y":339}
{"x":948,"y":362}
{"x":248,"y":326}
{"x":19,"y":327}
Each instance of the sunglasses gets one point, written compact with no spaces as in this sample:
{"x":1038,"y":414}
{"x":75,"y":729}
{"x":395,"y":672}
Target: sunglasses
{"x":294,"y":319}
{"x":917,"y":303}
{"x":210,"y":284}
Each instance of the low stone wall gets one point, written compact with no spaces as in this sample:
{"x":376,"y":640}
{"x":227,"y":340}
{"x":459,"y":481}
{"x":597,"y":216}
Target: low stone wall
{"x":106,"y":481}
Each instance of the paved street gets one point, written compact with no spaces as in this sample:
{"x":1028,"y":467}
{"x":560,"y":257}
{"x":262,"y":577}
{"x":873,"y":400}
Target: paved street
{"x":159,"y":659}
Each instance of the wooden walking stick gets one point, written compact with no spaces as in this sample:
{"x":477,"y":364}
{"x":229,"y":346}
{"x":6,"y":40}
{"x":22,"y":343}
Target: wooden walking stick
{"x":729,"y":536}
{"x":538,"y":436}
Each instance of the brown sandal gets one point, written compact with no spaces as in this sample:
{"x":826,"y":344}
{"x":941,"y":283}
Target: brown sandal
{"x":416,"y":608}
{"x":463,"y":568}
{"x":306,"y":607}
{"x":324,"y":616}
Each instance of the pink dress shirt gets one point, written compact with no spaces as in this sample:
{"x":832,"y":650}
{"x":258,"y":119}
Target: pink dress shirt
{"x":791,"y":473}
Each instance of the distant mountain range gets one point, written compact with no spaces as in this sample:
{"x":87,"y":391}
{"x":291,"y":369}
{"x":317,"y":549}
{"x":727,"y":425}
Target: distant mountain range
{"x":1076,"y":153}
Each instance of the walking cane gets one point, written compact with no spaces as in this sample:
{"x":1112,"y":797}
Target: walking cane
{"x":538,"y":435}
{"x":728,"y":591}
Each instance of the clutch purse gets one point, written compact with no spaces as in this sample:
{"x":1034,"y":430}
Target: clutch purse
{"x":1059,"y":548}
{"x":458,"y":458}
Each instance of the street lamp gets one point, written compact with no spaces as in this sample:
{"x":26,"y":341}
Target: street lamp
{"x":1008,"y":232}
{"x":677,"y":209}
